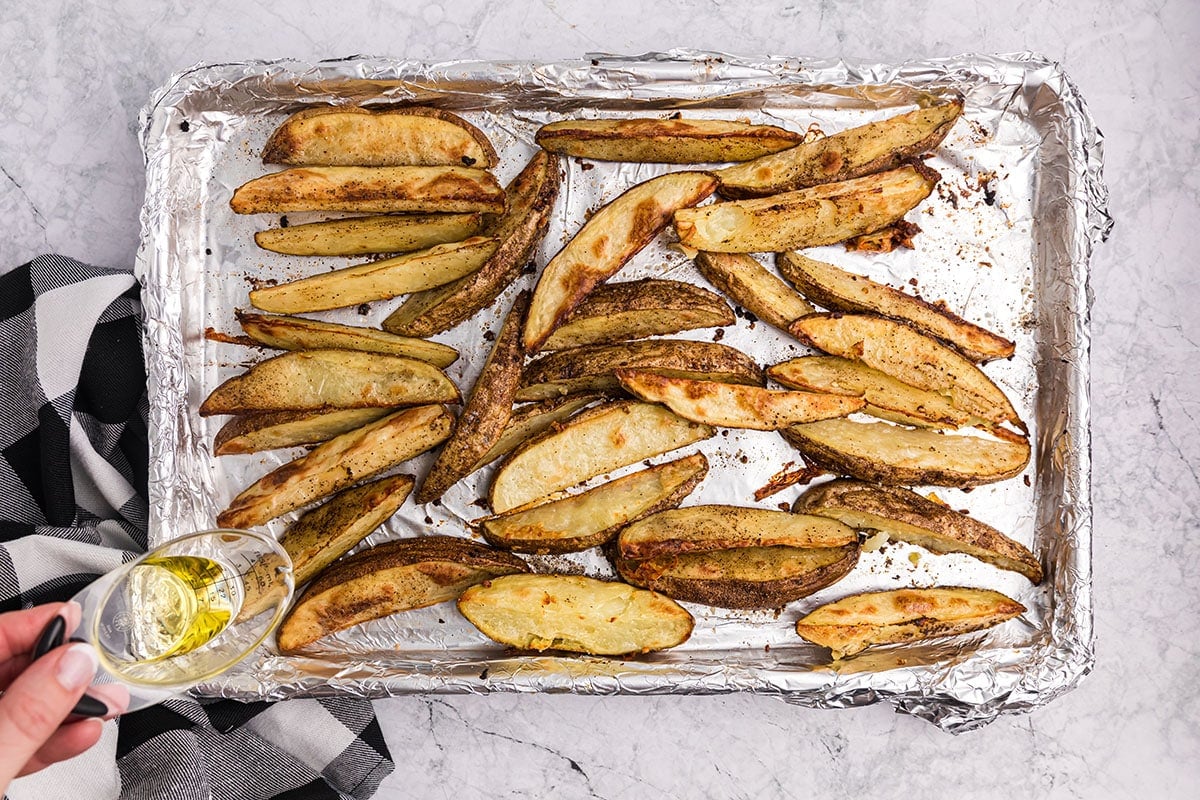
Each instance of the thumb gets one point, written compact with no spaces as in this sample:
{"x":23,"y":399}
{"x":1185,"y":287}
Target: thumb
{"x":37,"y":702}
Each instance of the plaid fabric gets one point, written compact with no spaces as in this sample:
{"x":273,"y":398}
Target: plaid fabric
{"x":73,"y":506}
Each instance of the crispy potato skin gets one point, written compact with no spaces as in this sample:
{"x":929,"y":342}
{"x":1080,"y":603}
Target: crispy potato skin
{"x":529,"y":202}
{"x":665,"y":141}
{"x":272,"y":430}
{"x":576,"y":614}
{"x":390,"y":233}
{"x":392,"y":577}
{"x":752,"y":287}
{"x":299,"y":333}
{"x":850,"y":625}
{"x":864,"y":150}
{"x":909,"y":517}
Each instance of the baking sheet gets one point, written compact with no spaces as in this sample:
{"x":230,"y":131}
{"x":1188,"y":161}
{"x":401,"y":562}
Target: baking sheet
{"x":1005,"y":242}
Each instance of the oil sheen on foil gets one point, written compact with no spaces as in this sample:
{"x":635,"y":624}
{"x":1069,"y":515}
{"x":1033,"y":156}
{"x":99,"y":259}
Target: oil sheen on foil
{"x":1005,"y":243}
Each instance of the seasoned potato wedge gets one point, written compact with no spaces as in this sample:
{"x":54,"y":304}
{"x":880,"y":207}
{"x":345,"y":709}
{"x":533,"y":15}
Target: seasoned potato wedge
{"x":389,"y":578}
{"x":272,"y":430}
{"x":664,"y":141}
{"x":854,"y":623}
{"x":593,"y":517}
{"x":488,"y":409}
{"x":574,"y":613}
{"x":311,"y":380}
{"x":704,"y":529}
{"x":908,"y":517}
{"x":350,"y":136}
{"x":869,"y":148}
{"x":612,"y":236}
{"x":821,"y":215}
{"x":370,"y":190}
{"x":377,"y":280}
{"x":597,"y":441}
{"x":753,"y":287}
{"x":732,"y":406}
{"x":389,"y":233}
{"x":532,"y":419}
{"x":339,"y":463}
{"x":894,"y":455}
{"x":838,"y":290}
{"x":299,"y":333}
{"x":529,"y":201}
{"x":911,"y":357}
{"x":593,"y":368}
{"x":618,"y":312}
{"x":886,"y":397}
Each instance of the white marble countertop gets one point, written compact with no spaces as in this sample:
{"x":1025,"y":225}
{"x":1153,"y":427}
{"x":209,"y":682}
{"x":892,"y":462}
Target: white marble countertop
{"x":73,"y":76}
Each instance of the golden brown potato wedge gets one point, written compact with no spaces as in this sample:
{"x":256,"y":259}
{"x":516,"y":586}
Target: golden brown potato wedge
{"x":852,"y":624}
{"x":532,"y":419}
{"x":664,"y":141}
{"x":574,"y":613}
{"x":820,"y":215}
{"x":612,"y":236}
{"x":272,"y":430}
{"x":838,"y":290}
{"x":299,"y":333}
{"x":593,"y":368}
{"x":618,"y":312}
{"x":389,"y":233}
{"x":753,"y":287}
{"x":488,"y":410}
{"x":732,"y":406}
{"x":350,"y":136}
{"x":597,"y":441}
{"x":869,"y":148}
{"x":529,"y":201}
{"x":370,"y":190}
{"x":339,"y":463}
{"x":704,"y":529}
{"x":908,"y":517}
{"x":886,"y":397}
{"x":911,"y":357}
{"x":377,"y":280}
{"x":593,"y":517}
{"x":392,"y":577}
{"x":312,"y":380}
{"x":894,"y":455}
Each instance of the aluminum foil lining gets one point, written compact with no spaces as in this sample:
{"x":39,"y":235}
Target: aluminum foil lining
{"x":1006,"y":241}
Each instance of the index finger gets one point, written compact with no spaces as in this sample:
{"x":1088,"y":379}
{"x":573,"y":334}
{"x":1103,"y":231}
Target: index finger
{"x":19,"y":632}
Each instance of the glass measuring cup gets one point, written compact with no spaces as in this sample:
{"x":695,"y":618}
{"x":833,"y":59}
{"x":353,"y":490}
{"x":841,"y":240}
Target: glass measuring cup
{"x":181,"y":614}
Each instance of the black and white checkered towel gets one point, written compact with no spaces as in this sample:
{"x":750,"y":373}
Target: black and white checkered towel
{"x":73,"y":506}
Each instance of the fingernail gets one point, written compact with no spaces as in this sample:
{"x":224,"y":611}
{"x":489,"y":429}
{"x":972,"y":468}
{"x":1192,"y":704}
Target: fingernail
{"x":89,"y":706}
{"x":52,"y":636}
{"x":77,"y":666}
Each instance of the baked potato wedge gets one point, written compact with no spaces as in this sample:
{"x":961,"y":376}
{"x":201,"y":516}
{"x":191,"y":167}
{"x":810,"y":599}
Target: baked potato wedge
{"x":338,"y":463}
{"x":618,"y":312}
{"x":299,"y":333}
{"x":613,"y":235}
{"x":894,"y":455}
{"x":312,"y":380}
{"x":273,"y":430}
{"x":529,"y":202}
{"x":356,"y":236}
{"x":389,"y":578}
{"x":707,"y":528}
{"x":886,"y":397}
{"x":731,"y":405}
{"x":852,"y":624}
{"x":910,"y":357}
{"x":533,"y":419}
{"x":906,"y":516}
{"x":593,"y":517}
{"x":487,"y":411}
{"x":821,"y":215}
{"x":867,"y":149}
{"x":838,"y":290}
{"x":594,"y":368}
{"x":599,"y":440}
{"x":370,"y":190}
{"x":351,"y":136}
{"x":753,"y":287}
{"x":574,"y":613}
{"x":377,"y":280}
{"x":664,"y":141}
